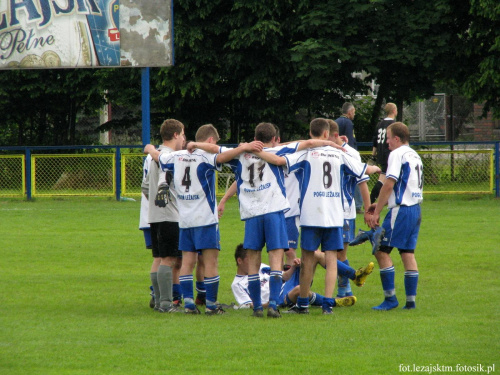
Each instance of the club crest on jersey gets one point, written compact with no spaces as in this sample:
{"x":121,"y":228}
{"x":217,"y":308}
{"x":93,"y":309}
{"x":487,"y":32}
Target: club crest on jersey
{"x":248,"y":156}
{"x":315,"y":154}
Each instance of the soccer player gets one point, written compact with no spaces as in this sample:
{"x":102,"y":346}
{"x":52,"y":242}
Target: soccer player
{"x":262,"y":198}
{"x":349,"y":184}
{"x":290,"y":287}
{"x":143,"y":220}
{"x":320,"y":171}
{"x":164,"y":222}
{"x":380,"y":147}
{"x":402,"y":192}
{"x":381,"y":155}
{"x":194,"y":189}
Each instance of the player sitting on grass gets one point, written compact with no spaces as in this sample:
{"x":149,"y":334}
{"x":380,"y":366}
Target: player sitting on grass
{"x":290,"y":288}
{"x":194,"y":188}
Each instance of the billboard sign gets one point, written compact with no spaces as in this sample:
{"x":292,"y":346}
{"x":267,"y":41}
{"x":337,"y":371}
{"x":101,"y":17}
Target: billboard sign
{"x":85,"y":33}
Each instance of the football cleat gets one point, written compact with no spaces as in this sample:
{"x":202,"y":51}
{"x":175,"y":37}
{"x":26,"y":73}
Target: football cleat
{"x":327,"y":311}
{"x":194,"y":311}
{"x":273,"y":313}
{"x":170,"y":309}
{"x":388,"y":304}
{"x":362,"y":237}
{"x":258,"y":313}
{"x":362,"y":273}
{"x":345,"y":301}
{"x":297,"y":310}
{"x":216,"y":311}
{"x":409,"y":305}
{"x":378,"y":236}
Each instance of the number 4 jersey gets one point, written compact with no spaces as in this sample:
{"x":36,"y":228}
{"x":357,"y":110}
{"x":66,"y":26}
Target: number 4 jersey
{"x":194,"y":186}
{"x":405,"y":166}
{"x":321,"y":172}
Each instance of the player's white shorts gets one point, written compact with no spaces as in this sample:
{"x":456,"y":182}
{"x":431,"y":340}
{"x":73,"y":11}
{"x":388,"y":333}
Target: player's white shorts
{"x":329,"y":238}
{"x":292,"y":228}
{"x":402,"y":224}
{"x":348,"y":230}
{"x":199,"y":238}
{"x":268,"y":229}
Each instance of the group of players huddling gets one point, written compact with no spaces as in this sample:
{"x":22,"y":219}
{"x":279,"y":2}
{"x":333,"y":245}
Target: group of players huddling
{"x":281,"y":187}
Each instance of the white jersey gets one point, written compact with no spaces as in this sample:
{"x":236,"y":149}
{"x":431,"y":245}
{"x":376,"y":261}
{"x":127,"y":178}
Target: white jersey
{"x":153,"y":179}
{"x":240,"y":287}
{"x":143,"y":218}
{"x":405,"y":166}
{"x":261,"y":186}
{"x":292,"y":194}
{"x":350,"y":183}
{"x":194,"y":181}
{"x":320,"y":172}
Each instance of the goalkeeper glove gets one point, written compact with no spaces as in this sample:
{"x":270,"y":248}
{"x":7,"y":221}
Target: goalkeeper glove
{"x":162,"y":196}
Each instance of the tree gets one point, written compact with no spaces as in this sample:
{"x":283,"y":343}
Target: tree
{"x":478,"y":74}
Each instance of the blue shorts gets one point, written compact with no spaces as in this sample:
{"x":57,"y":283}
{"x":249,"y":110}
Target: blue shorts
{"x":329,"y":239}
{"x":147,"y":237}
{"x":292,"y":229}
{"x":288,"y":286}
{"x":402,"y":224}
{"x":199,"y":238}
{"x":348,"y":230}
{"x":268,"y":229}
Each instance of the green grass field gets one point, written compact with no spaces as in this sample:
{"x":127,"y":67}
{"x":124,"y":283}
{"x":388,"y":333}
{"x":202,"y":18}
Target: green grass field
{"x":74,"y":299}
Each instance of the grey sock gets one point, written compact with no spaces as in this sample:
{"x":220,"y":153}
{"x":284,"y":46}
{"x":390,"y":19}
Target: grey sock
{"x":156,"y":288}
{"x":165,"y":282}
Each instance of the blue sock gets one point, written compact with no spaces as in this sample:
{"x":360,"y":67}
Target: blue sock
{"x":254,"y":291}
{"x":345,"y":272}
{"x":387,"y":278}
{"x":316,"y":299}
{"x":275,"y":283}
{"x":187,"y":291}
{"x":303,"y":303}
{"x":212,"y":285}
{"x":328,"y":303}
{"x":200,"y":288}
{"x":177,"y":293}
{"x":411,"y":282}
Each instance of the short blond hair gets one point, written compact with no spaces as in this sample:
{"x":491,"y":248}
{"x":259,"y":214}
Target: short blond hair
{"x":206,"y":131}
{"x":390,"y":108}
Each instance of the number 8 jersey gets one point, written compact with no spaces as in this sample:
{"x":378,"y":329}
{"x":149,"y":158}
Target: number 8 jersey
{"x":321,"y":172}
{"x":405,"y":166}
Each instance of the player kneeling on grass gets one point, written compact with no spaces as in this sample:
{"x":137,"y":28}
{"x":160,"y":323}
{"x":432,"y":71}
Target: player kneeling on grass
{"x":194,"y":187}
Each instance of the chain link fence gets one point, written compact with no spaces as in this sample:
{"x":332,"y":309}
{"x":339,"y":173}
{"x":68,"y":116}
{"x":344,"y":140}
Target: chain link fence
{"x":12,"y":174}
{"x":448,"y":168}
{"x":73,"y":174}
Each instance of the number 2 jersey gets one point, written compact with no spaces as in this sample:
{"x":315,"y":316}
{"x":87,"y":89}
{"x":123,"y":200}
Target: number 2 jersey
{"x":321,"y":173}
{"x":261,"y":186}
{"x":405,"y":166}
{"x":194,"y":186}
